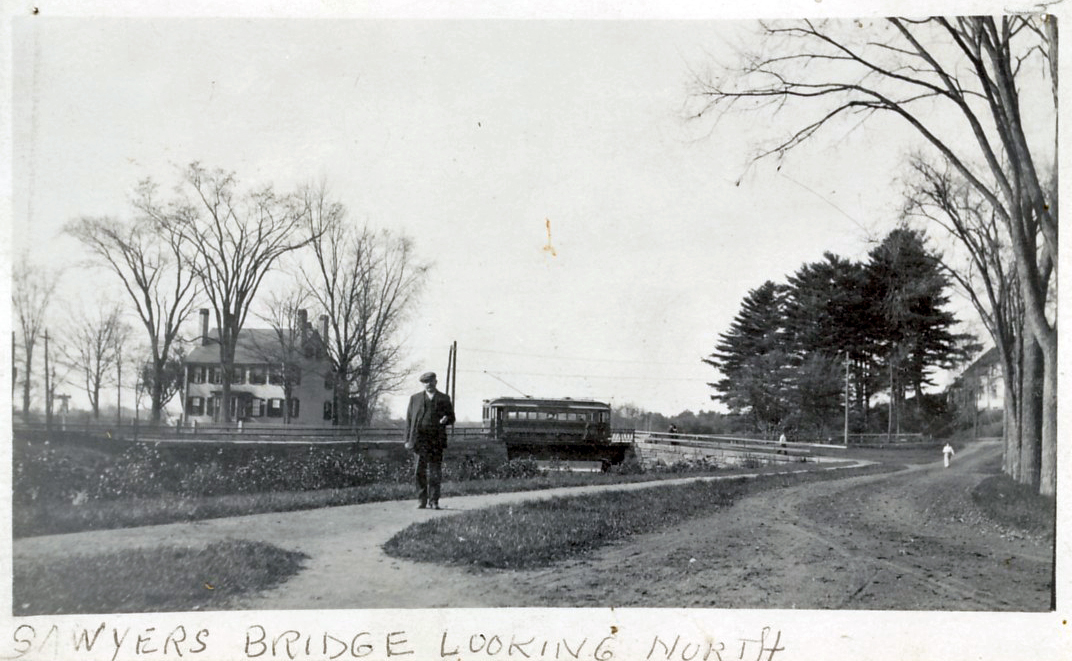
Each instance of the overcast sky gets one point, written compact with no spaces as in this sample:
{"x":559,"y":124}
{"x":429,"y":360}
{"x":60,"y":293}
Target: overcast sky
{"x":471,"y":137}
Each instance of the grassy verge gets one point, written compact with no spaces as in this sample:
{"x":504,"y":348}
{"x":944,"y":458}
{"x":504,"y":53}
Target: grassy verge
{"x":43,"y":518}
{"x":1018,"y":506}
{"x":148,"y":580}
{"x":538,"y":533}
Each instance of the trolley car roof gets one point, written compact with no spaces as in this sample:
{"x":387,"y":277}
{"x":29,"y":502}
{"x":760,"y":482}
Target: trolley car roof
{"x":541,"y":403}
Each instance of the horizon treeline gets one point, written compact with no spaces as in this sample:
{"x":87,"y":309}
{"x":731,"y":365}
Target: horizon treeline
{"x":840,"y":330}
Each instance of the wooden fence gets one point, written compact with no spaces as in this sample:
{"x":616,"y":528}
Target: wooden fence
{"x":248,"y":433}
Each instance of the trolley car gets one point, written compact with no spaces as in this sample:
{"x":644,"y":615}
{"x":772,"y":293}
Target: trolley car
{"x":552,"y":428}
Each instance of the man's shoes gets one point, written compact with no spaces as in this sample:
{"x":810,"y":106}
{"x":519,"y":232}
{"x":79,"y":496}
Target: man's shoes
{"x":435,"y":506}
{"x":421,"y":506}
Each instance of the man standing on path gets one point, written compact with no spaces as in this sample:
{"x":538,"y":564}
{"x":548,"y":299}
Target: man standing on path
{"x":427,"y":417}
{"x":947,"y":454}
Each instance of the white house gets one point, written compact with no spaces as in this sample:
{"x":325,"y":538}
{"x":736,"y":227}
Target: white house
{"x":982,"y":384}
{"x":276,"y":380}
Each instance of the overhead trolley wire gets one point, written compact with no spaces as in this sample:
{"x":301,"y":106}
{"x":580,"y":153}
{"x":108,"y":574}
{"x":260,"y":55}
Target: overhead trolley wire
{"x":589,"y":376}
{"x":594,"y":360}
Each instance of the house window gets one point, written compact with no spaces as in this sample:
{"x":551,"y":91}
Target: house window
{"x":215,"y":375}
{"x":328,"y":410}
{"x":258,"y":375}
{"x":238,"y":374}
{"x":195,"y":406}
{"x":197,"y":374}
{"x":275,"y":407}
{"x":257,"y":408}
{"x":294,"y":407}
{"x":212,"y":406}
{"x":275,"y":375}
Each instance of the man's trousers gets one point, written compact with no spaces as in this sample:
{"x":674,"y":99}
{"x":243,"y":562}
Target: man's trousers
{"x":429,"y":477}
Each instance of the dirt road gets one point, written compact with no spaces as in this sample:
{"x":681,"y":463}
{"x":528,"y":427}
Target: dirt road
{"x":910,"y":540}
{"x":907,"y":540}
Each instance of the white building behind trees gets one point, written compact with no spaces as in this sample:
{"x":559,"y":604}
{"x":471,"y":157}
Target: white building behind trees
{"x":277,"y":379}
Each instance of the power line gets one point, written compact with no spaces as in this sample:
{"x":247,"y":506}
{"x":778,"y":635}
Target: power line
{"x":591,"y":376}
{"x":594,"y":360}
{"x":824,"y":199}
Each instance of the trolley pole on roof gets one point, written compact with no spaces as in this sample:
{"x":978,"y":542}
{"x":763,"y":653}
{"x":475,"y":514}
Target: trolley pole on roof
{"x":506,"y":384}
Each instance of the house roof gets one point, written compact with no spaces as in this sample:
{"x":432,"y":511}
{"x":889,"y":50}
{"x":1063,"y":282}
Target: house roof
{"x":980,"y":365}
{"x":255,"y":345}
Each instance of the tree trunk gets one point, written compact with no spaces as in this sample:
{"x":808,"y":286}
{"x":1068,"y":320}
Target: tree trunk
{"x":1012,"y":360}
{"x":1012,"y":434}
{"x":1031,"y":402}
{"x":341,"y":414}
{"x":158,"y":391}
{"x":362,"y":414}
{"x":1048,"y":461}
{"x":227,"y":367}
{"x":288,"y":394}
{"x":893,"y":405}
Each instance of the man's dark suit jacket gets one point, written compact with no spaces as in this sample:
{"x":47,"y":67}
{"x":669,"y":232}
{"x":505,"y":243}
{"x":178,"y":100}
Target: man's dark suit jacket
{"x":428,"y":440}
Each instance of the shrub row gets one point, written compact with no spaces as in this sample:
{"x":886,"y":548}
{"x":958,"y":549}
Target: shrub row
{"x":56,"y":474}
{"x":79,"y":473}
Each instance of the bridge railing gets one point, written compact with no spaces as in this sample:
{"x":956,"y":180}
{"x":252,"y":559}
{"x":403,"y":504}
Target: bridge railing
{"x":886,"y":439}
{"x":227,"y":432}
{"x":241,"y":431}
{"x":739,"y":442}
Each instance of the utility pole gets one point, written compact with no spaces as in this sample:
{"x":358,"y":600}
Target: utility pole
{"x":450,"y":364}
{"x":137,"y":400}
{"x":451,"y":386}
{"x":48,"y":392}
{"x":846,"y":399}
{"x":118,"y":390}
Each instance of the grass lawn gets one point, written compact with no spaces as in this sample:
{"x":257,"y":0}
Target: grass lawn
{"x":54,"y":518}
{"x":538,"y":533}
{"x":1015,"y":505}
{"x":159,"y":579}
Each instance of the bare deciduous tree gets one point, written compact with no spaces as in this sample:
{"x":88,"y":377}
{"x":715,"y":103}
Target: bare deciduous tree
{"x":230,"y":239}
{"x":283,"y":352}
{"x":93,"y":345}
{"x":168,"y":382}
{"x":32,"y":288}
{"x":367,"y":283}
{"x":959,"y":84}
{"x":146,"y":257}
{"x":942,"y":198}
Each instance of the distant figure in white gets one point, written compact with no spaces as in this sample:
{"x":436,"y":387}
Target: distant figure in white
{"x":947,"y":454}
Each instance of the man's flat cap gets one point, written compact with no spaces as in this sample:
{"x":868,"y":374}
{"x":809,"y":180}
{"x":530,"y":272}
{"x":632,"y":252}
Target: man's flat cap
{"x":427,"y":376}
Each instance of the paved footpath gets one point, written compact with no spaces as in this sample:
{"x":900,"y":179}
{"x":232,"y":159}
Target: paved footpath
{"x":347,"y":567}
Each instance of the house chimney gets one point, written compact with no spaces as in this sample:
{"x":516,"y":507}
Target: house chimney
{"x":204,"y":326}
{"x":303,"y":325}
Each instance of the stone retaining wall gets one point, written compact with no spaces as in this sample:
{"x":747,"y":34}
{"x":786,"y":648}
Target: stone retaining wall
{"x":650,"y":453}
